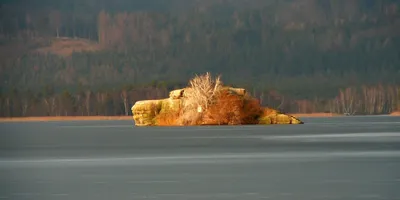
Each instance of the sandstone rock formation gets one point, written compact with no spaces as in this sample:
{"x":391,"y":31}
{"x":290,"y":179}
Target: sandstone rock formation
{"x":231,"y":106}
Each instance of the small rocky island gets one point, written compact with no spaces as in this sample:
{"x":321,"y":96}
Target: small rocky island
{"x":206,"y":101}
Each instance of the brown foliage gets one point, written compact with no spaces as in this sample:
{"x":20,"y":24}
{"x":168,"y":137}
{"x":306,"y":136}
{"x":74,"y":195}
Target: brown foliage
{"x":225,"y":110}
{"x":230,"y":109}
{"x":167,"y":119}
{"x":251,"y":111}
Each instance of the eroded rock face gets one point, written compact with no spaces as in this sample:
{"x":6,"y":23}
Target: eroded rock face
{"x":145,"y":112}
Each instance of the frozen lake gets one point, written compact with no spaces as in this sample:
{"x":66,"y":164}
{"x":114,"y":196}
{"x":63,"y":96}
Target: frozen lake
{"x":325,"y":158}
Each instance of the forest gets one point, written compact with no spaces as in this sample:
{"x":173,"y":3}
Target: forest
{"x":97,"y":57}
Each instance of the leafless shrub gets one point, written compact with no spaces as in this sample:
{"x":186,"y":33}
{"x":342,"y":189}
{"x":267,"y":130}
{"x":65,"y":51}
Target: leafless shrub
{"x":190,"y":118}
{"x":202,"y":90}
{"x":200,"y":94}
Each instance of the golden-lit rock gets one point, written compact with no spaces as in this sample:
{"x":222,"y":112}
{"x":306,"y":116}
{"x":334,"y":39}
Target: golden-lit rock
{"x":168,"y":111}
{"x":176,"y":94}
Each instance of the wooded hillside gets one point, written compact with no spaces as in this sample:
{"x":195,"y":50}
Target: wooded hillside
{"x":86,"y":57}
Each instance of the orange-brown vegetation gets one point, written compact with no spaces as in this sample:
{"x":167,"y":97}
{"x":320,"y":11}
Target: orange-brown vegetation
{"x":251,"y":111}
{"x":67,"y":46}
{"x":231,"y":109}
{"x":226,"y":108}
{"x":207,"y":102}
{"x":396,"y":113}
{"x":170,"y":118}
{"x":64,"y":118}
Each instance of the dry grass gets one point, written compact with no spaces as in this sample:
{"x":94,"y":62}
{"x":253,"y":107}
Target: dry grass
{"x":64,"y":118}
{"x":66,"y":46}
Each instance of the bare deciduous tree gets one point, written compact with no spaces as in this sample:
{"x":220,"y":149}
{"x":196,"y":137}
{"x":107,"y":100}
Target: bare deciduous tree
{"x":88,"y":95}
{"x":124,"y":97}
{"x":50,"y":105}
{"x":25,"y":105}
{"x":201,"y":92}
{"x":347,"y":98}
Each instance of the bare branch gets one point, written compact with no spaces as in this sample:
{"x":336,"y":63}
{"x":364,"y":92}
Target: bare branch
{"x":201,"y":92}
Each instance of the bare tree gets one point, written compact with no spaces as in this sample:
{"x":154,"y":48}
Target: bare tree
{"x":25,"y":105}
{"x":103,"y":29}
{"x":88,"y":95}
{"x":262,"y":98}
{"x":8,"y":107}
{"x":369,"y":99}
{"x":50,"y":105}
{"x":347,"y":98}
{"x":397,"y":99}
{"x":381,"y":99}
{"x":334,"y":106}
{"x":282,"y":98}
{"x":201,"y":92}
{"x":124,"y":97}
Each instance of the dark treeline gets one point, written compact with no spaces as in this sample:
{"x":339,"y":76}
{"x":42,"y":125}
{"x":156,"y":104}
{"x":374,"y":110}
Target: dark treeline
{"x":298,"y":55}
{"x":352,"y":100}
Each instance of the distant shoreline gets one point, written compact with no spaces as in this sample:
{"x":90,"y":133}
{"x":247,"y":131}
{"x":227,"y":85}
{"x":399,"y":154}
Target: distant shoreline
{"x":397,"y":113}
{"x":314,"y":114}
{"x":64,"y":118}
{"x":105,"y":118}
